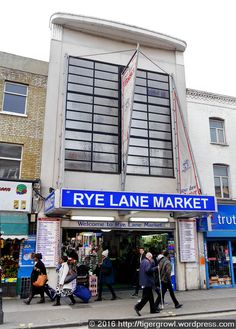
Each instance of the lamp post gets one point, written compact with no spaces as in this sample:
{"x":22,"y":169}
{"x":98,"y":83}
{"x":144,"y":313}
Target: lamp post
{"x":1,"y":311}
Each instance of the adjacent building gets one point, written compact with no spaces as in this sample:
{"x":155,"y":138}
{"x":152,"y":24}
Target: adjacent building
{"x":23,"y":84}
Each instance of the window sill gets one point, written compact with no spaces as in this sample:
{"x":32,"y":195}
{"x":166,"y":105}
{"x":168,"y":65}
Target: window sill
{"x":14,"y":114}
{"x":220,"y":144}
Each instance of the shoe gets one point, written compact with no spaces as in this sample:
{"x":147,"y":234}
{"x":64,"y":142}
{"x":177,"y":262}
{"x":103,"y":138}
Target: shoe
{"x":134,"y":294}
{"x":113,"y":298}
{"x":41,"y":301}
{"x":98,"y":299}
{"x":156,"y":311}
{"x":136,"y":310}
{"x":26,"y":301}
{"x":178,"y":306}
{"x":72,"y":303}
{"x":56,"y":304}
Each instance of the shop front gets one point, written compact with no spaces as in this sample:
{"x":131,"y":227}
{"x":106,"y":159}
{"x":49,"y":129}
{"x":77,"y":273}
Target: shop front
{"x":220,"y":248}
{"x":16,"y":198}
{"x":92,"y":221}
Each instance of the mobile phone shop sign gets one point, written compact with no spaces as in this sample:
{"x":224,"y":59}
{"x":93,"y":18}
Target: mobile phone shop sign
{"x":81,"y":199}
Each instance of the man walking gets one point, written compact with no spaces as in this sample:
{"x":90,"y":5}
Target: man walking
{"x":164,"y":265}
{"x":140,"y":257}
{"x":146,"y":281}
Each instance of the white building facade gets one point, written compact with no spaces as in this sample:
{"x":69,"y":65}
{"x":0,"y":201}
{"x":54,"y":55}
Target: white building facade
{"x":211,"y":121}
{"x":82,"y":150}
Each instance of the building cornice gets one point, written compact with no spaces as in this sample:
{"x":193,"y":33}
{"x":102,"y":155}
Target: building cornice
{"x":117,"y":31}
{"x":193,"y":94}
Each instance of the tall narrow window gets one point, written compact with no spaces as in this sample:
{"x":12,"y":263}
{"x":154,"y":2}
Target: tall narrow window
{"x":10,"y":160}
{"x":217,"y":131}
{"x":221,"y":181}
{"x":15,"y":96}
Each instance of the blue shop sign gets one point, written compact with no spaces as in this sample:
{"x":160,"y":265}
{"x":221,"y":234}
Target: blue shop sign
{"x":49,"y":203}
{"x":225,"y":218}
{"x":80,"y":199}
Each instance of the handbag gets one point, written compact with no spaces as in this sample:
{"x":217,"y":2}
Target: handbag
{"x":72,"y":275}
{"x":41,"y":280}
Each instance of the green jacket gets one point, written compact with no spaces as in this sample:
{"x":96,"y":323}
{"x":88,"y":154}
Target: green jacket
{"x":165,"y":269}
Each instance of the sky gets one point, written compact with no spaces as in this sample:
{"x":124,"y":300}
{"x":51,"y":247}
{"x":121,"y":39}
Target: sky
{"x":207,"y":26}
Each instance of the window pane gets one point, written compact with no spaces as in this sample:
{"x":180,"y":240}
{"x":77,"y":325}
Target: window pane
{"x":105,"y":167}
{"x":102,"y":147}
{"x":138,"y":170}
{"x":105,"y":110}
{"x":103,"y":157}
{"x":139,"y":124}
{"x":80,"y":79}
{"x":141,"y":161}
{"x":78,"y":165}
{"x":138,"y":142}
{"x":217,"y":187}
{"x":139,"y":115}
{"x":156,"y":76}
{"x":213,"y":135}
{"x":81,"y":71}
{"x":138,"y":151}
{"x":159,"y":109}
{"x":79,"y":116}
{"x":106,"y":67}
{"x":158,"y":84}
{"x":106,"y":92}
{"x":10,"y":151}
{"x":159,"y":117}
{"x":106,"y":75}
{"x":221,"y":138}
{"x":225,"y":187}
{"x":80,"y":88}
{"x":161,"y":153}
{"x":106,"y":84}
{"x":105,"y":119}
{"x":162,"y":172}
{"x":161,"y":162}
{"x":78,"y":135}
{"x":79,"y":107}
{"x":14,"y":103}
{"x":106,"y":101}
{"x":77,"y":155}
{"x":160,"y":135}
{"x":80,"y":62}
{"x":157,"y":100}
{"x":105,"y":128}
{"x":216,"y":123}
{"x":9,"y":169}
{"x":16,"y":88}
{"x":220,"y":170}
{"x":78,"y":125}
{"x":76,"y":145}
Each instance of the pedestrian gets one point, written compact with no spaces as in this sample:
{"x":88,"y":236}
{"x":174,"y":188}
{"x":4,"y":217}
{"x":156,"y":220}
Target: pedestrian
{"x":139,"y":259}
{"x":165,"y":277}
{"x":106,"y":276}
{"x":146,"y":281}
{"x":64,"y":289}
{"x":39,"y":268}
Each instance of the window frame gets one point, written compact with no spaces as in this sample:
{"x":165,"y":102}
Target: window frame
{"x":13,"y":159}
{"x":5,"y":92}
{"x":221,"y":180}
{"x":217,"y":131}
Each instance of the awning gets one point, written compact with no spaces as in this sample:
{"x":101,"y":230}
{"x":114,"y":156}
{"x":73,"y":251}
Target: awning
{"x":13,"y":237}
{"x":14,"y":225}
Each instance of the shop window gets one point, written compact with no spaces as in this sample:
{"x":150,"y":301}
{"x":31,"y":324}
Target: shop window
{"x":10,"y":160}
{"x":15,"y":98}
{"x":217,"y":131}
{"x":93,"y":121}
{"x":218,"y":263}
{"x":221,"y":180}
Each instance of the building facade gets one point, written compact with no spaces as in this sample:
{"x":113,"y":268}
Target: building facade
{"x":83,"y":152}
{"x":211,"y":119}
{"x":22,"y":106}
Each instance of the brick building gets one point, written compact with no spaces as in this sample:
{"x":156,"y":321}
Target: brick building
{"x":23,"y":83}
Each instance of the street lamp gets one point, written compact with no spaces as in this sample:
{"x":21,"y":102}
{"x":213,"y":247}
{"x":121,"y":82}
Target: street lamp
{"x":1,"y":311}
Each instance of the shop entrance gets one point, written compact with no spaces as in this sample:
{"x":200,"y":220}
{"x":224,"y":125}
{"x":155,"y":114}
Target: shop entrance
{"x":122,"y":245}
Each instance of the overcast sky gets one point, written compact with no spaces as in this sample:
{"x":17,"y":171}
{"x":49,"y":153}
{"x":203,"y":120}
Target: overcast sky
{"x":208,"y":27}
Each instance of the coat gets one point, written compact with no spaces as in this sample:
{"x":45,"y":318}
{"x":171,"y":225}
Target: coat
{"x":62,"y":273}
{"x":165,"y":269}
{"x":39,"y":268}
{"x":106,"y":272}
{"x":146,"y":278}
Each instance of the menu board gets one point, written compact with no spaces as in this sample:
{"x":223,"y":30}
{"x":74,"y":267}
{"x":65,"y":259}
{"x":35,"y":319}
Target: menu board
{"x":48,"y":240}
{"x":187,"y":240}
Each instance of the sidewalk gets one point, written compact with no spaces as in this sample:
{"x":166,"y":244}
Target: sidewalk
{"x":18,"y":315}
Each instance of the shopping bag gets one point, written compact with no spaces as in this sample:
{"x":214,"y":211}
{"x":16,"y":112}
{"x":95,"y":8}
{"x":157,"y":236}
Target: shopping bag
{"x":41,"y":280}
{"x":50,"y":292}
{"x":83,"y":293}
{"x":70,"y":277}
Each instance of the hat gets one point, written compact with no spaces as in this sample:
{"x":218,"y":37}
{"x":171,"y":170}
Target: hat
{"x":105,"y":253}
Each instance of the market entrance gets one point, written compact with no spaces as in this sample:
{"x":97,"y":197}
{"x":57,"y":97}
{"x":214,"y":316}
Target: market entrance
{"x":122,"y":245}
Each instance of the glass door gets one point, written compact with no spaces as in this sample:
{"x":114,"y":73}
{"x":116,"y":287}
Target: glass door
{"x":219,"y":263}
{"x":233,"y":248}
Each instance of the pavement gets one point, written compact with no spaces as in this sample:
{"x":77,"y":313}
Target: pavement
{"x":42,"y":316}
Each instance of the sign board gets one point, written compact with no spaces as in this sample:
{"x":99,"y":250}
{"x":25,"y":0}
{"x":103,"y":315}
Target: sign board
{"x":128,"y":77}
{"x":15,"y":196}
{"x":81,"y":199}
{"x":48,"y":240}
{"x":187,"y":240}
{"x":118,"y":225}
{"x":26,"y":261}
{"x":49,"y":203}
{"x":225,"y":218}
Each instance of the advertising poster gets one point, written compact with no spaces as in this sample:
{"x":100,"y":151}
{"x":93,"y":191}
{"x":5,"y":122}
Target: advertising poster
{"x":187,"y":240}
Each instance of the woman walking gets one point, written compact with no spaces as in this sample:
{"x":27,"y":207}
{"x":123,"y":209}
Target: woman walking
{"x":39,"y":268}
{"x":64,"y":289}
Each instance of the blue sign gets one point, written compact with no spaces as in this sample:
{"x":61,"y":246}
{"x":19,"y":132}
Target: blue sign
{"x":80,"y":199}
{"x":225,"y":218}
{"x":49,"y":203}
{"x":26,"y":261}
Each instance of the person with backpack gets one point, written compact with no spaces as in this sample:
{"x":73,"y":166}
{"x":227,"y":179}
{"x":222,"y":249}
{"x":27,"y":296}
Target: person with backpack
{"x":164,"y":268}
